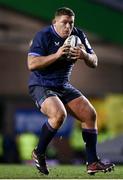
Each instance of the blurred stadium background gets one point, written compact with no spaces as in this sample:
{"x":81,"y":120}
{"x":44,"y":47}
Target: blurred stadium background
{"x":20,"y":122}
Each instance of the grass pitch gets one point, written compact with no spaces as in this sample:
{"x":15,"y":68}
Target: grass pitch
{"x":56,"y":172}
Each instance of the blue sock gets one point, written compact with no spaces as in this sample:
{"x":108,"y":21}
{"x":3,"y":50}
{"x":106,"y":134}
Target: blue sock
{"x":90,"y":139}
{"x":47,"y":133}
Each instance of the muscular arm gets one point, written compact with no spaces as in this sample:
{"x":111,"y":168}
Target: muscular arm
{"x":91,"y":59}
{"x":40,"y":62}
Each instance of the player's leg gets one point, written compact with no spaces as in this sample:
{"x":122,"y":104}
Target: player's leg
{"x":50,"y":105}
{"x":86,"y":114}
{"x":82,"y":109}
{"x":54,"y":109}
{"x":56,"y":113}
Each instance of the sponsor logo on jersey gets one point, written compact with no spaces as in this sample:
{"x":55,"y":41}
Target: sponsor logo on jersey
{"x":57,"y":43}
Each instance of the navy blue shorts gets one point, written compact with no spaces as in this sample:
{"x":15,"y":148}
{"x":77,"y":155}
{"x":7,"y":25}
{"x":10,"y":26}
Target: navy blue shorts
{"x":65,"y":94}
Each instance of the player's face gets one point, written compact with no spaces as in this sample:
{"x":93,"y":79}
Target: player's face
{"x":64,"y":25}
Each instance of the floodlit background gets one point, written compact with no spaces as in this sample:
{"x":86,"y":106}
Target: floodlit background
{"x":20,"y":121}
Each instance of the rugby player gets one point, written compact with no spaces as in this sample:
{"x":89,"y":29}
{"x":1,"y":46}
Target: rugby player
{"x":50,"y":88}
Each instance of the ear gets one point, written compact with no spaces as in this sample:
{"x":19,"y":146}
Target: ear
{"x":54,"y":21}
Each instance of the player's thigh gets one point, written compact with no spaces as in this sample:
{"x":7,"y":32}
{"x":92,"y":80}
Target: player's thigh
{"x":81,"y":109}
{"x":47,"y":101}
{"x":53,"y":107}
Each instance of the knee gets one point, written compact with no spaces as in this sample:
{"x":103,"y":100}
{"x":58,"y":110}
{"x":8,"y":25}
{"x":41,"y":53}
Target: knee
{"x":93,"y":115}
{"x":59,"y":118}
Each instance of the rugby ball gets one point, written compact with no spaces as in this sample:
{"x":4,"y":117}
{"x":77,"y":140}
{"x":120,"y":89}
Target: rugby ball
{"x":73,"y":41}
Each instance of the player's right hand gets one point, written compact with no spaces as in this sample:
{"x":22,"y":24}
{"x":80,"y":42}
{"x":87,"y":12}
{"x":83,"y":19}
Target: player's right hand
{"x":63,"y":50}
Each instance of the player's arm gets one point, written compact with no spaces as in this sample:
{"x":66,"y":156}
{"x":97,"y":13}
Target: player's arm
{"x":40,"y":62}
{"x":90,"y":59}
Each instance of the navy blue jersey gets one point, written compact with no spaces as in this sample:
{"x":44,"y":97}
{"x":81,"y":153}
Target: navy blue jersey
{"x":47,"y":42}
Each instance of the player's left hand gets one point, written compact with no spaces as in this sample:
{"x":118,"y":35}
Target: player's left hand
{"x":78,"y":52}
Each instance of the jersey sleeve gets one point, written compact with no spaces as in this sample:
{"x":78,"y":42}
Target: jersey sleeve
{"x":38,"y":46}
{"x":87,"y":44}
{"x":84,"y":40}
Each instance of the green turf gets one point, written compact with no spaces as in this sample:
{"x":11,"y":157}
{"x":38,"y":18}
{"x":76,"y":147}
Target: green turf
{"x":56,"y":172}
